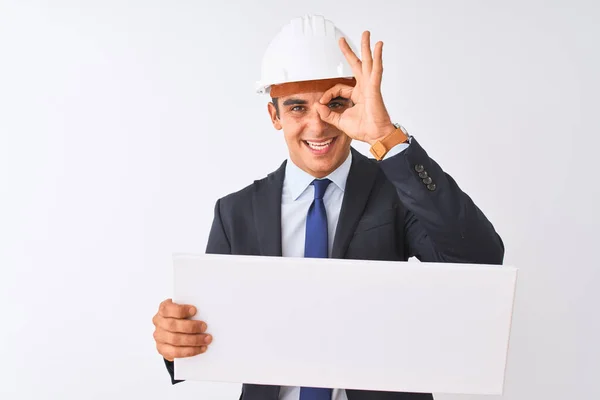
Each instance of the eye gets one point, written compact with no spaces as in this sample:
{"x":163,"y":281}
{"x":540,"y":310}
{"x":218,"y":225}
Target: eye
{"x":336,"y":104}
{"x":297,"y":108}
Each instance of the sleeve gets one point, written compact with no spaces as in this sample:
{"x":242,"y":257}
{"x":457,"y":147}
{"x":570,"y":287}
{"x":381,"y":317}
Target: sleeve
{"x":217,"y":244}
{"x":442,"y":223}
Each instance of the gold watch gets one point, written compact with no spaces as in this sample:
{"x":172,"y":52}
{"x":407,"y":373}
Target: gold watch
{"x":383,"y":146}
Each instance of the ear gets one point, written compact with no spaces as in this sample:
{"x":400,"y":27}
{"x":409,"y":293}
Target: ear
{"x":273,"y":114}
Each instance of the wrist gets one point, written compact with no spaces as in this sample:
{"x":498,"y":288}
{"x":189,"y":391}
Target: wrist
{"x":379,"y":148}
{"x":383,"y":133}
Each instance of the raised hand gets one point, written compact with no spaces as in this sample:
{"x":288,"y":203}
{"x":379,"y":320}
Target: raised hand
{"x":367,"y":120}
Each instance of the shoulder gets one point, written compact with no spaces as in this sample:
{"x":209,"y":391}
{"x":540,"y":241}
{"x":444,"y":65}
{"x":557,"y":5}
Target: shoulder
{"x":238,"y":198}
{"x":243,"y":198}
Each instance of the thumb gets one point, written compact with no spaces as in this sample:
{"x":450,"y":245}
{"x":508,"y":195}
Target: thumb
{"x":329,"y":116}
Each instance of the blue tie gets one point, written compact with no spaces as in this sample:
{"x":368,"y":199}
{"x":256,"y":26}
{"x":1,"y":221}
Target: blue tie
{"x":317,"y":243}
{"x":317,"y":246}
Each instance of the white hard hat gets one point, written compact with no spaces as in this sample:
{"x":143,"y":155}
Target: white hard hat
{"x":305,"y":49}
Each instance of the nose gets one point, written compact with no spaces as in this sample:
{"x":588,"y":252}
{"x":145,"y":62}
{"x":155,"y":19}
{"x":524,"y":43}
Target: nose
{"x":315,"y":124}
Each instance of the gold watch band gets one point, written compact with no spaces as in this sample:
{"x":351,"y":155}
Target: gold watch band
{"x":383,"y":146}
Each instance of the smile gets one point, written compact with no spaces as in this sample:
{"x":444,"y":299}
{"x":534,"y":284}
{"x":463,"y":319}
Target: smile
{"x":320,"y":147}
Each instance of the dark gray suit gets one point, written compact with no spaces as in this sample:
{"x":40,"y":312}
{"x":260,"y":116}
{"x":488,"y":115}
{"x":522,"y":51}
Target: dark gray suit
{"x":393,"y":209}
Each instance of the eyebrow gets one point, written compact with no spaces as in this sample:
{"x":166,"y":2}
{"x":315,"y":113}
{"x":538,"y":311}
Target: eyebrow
{"x":294,"y":101}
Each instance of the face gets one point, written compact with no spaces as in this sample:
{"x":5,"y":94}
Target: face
{"x":314,"y":145}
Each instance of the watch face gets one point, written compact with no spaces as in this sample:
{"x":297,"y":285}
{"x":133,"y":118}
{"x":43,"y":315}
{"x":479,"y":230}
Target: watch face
{"x":401,"y":128}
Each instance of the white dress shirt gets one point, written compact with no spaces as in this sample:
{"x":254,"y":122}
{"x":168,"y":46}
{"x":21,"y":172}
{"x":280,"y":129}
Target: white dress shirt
{"x":297,"y":196}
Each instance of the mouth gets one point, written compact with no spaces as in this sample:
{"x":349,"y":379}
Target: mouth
{"x":320,"y":147}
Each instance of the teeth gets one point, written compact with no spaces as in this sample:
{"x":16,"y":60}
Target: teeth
{"x":319,"y":146}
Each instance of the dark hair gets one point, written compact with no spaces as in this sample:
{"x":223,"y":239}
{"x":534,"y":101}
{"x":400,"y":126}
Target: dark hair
{"x":276,"y":105}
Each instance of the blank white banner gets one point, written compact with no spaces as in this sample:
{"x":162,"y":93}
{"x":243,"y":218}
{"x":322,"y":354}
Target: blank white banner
{"x":372,"y":325}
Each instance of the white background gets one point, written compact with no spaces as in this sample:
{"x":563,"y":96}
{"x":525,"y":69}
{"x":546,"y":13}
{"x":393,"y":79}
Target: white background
{"x":122,"y":122}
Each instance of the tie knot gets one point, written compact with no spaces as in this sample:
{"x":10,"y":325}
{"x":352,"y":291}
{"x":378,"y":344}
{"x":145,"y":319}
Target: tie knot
{"x":320,"y":187}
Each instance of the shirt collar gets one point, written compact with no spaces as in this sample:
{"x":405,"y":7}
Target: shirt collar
{"x":297,"y":180}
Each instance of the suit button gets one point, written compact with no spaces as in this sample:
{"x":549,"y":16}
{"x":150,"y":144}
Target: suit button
{"x":423,"y":174}
{"x":431,"y":186}
{"x":427,"y":180}
{"x":419,"y":168}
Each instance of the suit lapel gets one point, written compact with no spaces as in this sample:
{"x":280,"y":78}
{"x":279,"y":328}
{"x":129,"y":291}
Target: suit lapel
{"x":266,"y":204}
{"x":358,"y":189}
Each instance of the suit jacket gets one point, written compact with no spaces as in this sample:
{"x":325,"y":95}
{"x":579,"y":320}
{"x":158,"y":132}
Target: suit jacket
{"x":394,"y":209}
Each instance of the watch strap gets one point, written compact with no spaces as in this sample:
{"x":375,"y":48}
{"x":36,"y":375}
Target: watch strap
{"x":380,"y":148}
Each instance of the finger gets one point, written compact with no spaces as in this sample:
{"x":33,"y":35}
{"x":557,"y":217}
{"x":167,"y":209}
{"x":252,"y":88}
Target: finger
{"x":182,"y":339}
{"x":377,"y":72}
{"x":179,"y":325}
{"x":339,"y":90}
{"x":169,"y":309}
{"x":352,"y":58}
{"x":329,"y":116}
{"x":170,"y":352}
{"x":367,"y":57}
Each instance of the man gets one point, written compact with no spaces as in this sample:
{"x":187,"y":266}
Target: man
{"x":328,"y":200}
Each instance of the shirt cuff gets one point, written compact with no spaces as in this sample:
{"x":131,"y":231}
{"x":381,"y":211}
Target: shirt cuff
{"x":399,"y":148}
